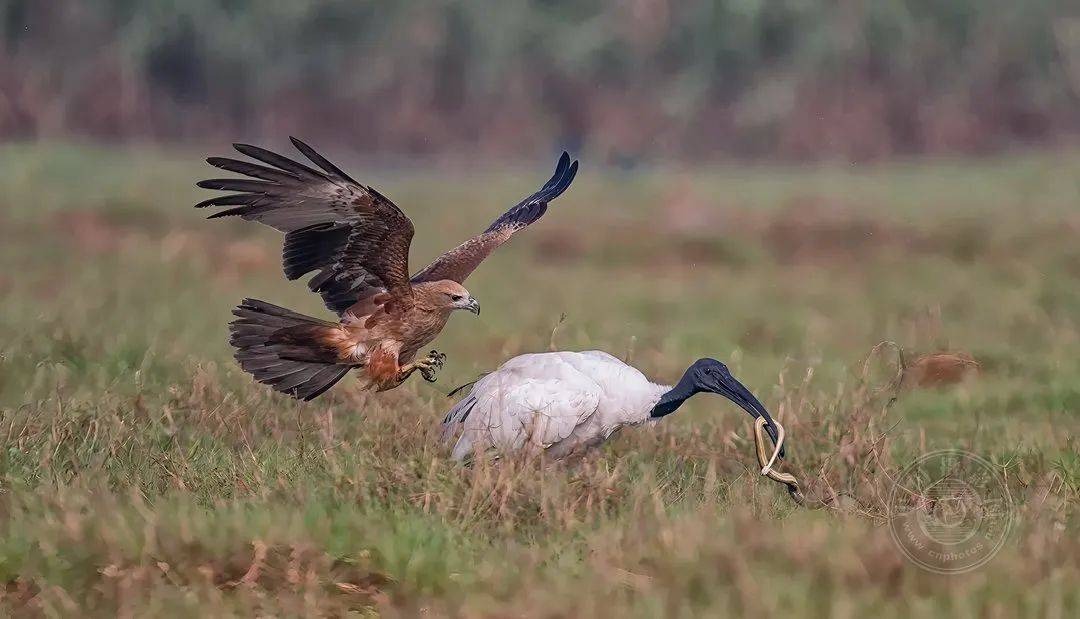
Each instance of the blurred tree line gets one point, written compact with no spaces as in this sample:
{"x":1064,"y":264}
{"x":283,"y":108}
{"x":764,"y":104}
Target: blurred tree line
{"x":859,"y":79}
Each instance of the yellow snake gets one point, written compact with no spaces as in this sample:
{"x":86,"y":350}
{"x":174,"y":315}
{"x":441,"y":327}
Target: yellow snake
{"x":767,"y":463}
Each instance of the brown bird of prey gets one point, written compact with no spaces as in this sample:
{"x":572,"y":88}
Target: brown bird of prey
{"x":357,"y":242}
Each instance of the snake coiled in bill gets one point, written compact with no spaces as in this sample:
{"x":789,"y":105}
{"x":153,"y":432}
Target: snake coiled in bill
{"x":767,"y":462}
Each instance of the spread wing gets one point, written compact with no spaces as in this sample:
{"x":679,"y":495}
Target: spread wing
{"x":459,"y":262}
{"x":355,"y":237}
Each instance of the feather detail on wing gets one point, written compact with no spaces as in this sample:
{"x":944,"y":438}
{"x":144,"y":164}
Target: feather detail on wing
{"x":532,"y":400}
{"x":461,"y":261}
{"x":355,"y":237}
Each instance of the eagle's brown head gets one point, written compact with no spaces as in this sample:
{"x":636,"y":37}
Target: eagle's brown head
{"x":445,"y":295}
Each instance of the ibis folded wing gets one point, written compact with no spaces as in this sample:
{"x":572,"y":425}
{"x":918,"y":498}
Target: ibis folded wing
{"x":509,"y":414}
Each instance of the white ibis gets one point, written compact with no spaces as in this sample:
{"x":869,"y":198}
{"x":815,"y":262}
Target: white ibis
{"x":563,"y":403}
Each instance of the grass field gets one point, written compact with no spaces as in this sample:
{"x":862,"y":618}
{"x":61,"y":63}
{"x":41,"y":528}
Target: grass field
{"x":144,"y":474}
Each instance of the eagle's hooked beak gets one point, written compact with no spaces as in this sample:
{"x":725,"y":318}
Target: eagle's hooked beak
{"x":473,"y":306}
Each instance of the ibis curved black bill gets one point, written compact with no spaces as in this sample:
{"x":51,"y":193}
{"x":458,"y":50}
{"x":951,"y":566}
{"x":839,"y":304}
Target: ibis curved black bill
{"x":727,"y":386}
{"x":711,"y":376}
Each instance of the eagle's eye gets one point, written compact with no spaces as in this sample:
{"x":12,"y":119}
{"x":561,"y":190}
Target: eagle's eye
{"x":456,"y":297}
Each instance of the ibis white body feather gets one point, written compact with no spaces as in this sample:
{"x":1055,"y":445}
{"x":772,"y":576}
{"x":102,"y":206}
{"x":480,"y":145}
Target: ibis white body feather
{"x":559,"y":402}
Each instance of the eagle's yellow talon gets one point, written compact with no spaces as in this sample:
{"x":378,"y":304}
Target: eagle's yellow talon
{"x":437,"y":359}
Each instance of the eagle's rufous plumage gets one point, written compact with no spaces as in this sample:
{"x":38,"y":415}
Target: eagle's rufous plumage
{"x":357,"y":243}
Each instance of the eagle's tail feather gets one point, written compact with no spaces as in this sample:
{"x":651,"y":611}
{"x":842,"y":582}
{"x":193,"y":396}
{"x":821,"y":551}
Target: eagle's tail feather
{"x":264,"y":348}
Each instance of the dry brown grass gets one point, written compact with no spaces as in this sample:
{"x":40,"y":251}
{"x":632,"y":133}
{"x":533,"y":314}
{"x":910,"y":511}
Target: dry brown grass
{"x":144,"y":475}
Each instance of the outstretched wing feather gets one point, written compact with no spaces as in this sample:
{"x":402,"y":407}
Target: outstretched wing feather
{"x":458,"y":263}
{"x":355,"y":237}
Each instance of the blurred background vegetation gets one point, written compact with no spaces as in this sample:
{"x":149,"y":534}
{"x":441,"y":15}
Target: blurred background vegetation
{"x":796,"y":79}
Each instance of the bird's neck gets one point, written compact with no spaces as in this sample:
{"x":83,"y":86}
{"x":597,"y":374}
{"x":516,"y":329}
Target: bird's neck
{"x":674,"y":397}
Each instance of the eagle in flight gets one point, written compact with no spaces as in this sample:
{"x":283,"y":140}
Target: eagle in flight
{"x":357,"y":243}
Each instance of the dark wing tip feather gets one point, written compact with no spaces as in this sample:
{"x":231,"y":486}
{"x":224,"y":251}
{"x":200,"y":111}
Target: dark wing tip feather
{"x":278,"y":172}
{"x":240,"y":210}
{"x":533,"y":207}
{"x":556,"y":186}
{"x":219,"y":162}
{"x":560,"y":168}
{"x":236,"y":184}
{"x":564,"y":182}
{"x":227,"y":200}
{"x":250,"y":169}
{"x":319,"y":160}
{"x":278,"y":161}
{"x":564,"y":160}
{"x":250,"y":150}
{"x":564,"y":175}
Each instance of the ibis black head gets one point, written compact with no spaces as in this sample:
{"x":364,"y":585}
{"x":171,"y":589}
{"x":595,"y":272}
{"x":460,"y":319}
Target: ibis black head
{"x":714,"y":377}
{"x":711,"y":376}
